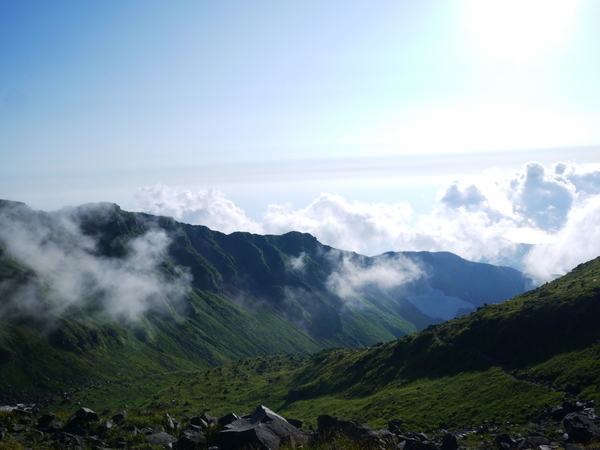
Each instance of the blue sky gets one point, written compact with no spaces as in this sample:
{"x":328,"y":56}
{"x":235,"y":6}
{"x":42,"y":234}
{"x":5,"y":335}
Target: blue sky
{"x":244,"y":109}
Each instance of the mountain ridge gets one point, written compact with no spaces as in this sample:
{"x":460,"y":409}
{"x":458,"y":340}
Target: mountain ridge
{"x":499,"y":367}
{"x":155,"y":293}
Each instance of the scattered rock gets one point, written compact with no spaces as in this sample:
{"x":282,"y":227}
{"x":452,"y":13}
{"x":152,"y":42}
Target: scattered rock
{"x":394,"y":425}
{"x":262,"y":428}
{"x":119,"y":417}
{"x":84,"y":415}
{"x":385,"y":435}
{"x":449,"y":442}
{"x":67,"y":439}
{"x":558,"y":413}
{"x":537,"y":440}
{"x":106,"y":425}
{"x":47,"y":419}
{"x":504,"y":441}
{"x":226,"y":420}
{"x":267,"y":430}
{"x":569,"y":446}
{"x":76,"y":430}
{"x":132,"y":429}
{"x":417,"y":444}
{"x":160,"y":438}
{"x":189,"y":439}
{"x":294,"y":422}
{"x":331,"y":425}
{"x":580,"y":427}
{"x":422,"y":437}
{"x":170,"y":424}
{"x":211,"y":421}
{"x":22,"y":412}
{"x":484,"y":429}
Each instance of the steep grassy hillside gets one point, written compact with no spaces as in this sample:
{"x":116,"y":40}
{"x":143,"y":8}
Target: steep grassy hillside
{"x":499,"y":363}
{"x":502,"y":363}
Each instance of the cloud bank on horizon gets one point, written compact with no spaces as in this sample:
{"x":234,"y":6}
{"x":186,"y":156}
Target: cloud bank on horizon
{"x":540,"y":219}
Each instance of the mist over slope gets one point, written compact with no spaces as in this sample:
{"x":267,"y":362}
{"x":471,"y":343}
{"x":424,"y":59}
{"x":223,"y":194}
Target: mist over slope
{"x":502,"y":362}
{"x":95,"y":278}
{"x":506,"y":368}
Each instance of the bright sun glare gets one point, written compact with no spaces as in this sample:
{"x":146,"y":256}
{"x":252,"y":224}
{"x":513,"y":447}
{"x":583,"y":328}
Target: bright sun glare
{"x":516,"y":31}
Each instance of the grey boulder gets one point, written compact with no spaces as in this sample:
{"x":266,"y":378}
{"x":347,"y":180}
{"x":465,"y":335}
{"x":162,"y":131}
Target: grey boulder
{"x":263,"y":429}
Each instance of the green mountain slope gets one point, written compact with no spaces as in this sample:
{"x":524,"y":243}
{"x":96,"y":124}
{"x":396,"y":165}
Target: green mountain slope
{"x":502,"y":364}
{"x":95,"y":292}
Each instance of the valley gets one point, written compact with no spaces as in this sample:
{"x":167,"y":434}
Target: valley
{"x":363,"y":352}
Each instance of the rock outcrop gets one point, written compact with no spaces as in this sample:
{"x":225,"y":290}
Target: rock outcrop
{"x":263,"y":428}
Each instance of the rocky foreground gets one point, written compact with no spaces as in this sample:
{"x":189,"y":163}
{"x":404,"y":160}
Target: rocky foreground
{"x":573,"y":425}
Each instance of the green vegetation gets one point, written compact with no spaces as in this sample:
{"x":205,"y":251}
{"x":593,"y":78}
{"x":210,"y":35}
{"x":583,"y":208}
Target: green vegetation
{"x":447,"y":376}
{"x":249,"y":295}
{"x":243,"y":334}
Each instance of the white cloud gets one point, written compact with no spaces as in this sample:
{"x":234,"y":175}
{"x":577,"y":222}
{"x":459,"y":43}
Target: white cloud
{"x":489,"y":219}
{"x":352,"y":274}
{"x":207,"y":207}
{"x":524,"y":235}
{"x":362,"y":227}
{"x":69,"y":263}
{"x":586,"y":180}
{"x":540,"y":197}
{"x":298,"y":263}
{"x":470,"y":197}
{"x":474,"y":235}
{"x":578,"y":241}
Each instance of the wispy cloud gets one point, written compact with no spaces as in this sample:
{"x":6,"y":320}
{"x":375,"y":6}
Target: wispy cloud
{"x":353,"y":273}
{"x":69,"y":263}
{"x":298,"y":263}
